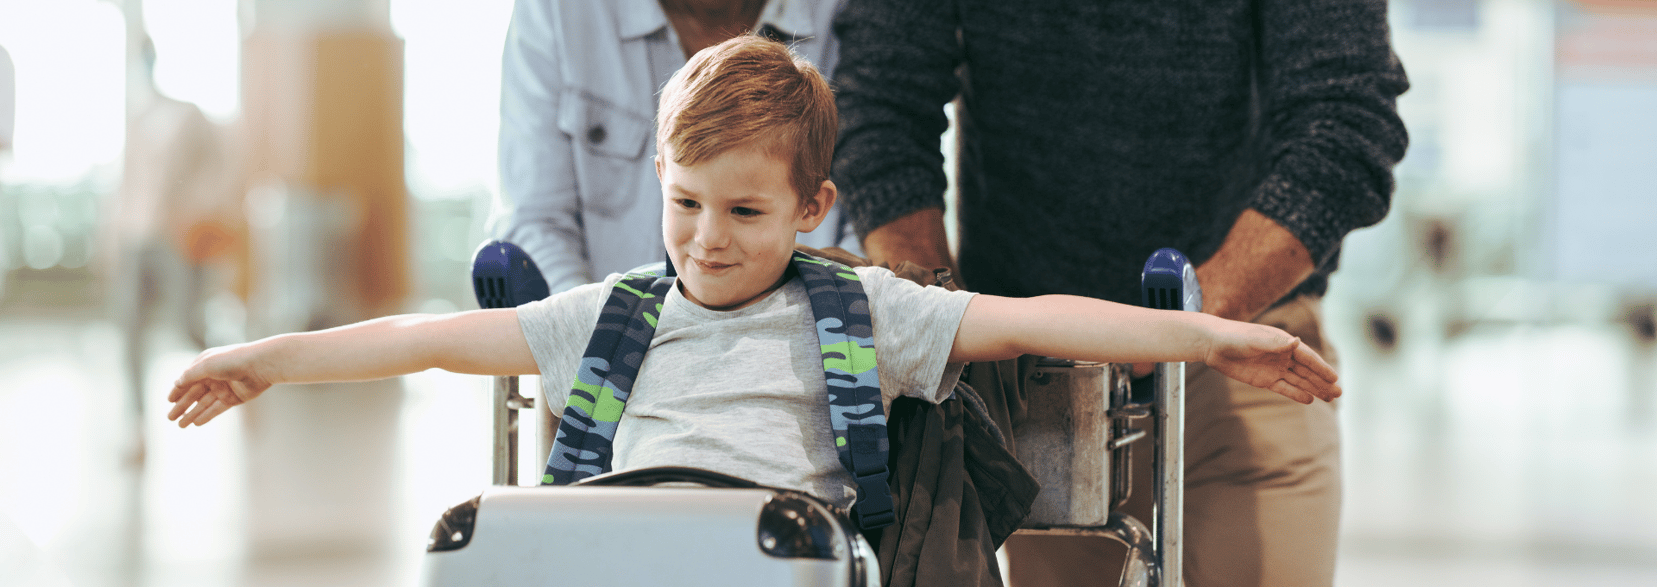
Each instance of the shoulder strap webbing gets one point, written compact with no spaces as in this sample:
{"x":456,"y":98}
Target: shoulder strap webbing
{"x":846,"y":333}
{"x":604,"y":380}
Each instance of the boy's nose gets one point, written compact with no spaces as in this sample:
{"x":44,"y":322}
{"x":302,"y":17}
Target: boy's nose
{"x":712,"y":233}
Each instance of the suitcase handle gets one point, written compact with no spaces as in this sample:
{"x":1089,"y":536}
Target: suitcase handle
{"x":656,"y":475}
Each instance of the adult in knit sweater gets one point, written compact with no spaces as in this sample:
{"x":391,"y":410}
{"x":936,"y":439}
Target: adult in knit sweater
{"x":1252,"y":135}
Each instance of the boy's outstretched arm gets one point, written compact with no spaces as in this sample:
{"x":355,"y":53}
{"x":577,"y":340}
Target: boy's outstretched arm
{"x":483,"y":342}
{"x":1071,"y":327}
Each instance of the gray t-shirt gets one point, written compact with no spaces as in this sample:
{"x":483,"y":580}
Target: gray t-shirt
{"x":742,"y":392}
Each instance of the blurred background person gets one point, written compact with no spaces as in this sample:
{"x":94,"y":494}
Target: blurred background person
{"x":8,"y":100}
{"x":171,"y":218}
{"x":578,"y":96}
{"x":8,"y":118}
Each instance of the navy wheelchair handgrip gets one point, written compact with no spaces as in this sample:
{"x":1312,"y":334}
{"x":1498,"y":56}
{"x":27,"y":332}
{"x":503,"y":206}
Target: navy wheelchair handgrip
{"x":503,"y":276}
{"x":1169,"y":282}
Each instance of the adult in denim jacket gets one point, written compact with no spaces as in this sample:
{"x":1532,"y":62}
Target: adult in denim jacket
{"x":579,"y":81}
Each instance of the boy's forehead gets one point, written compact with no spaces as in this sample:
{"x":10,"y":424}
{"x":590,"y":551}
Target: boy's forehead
{"x":757,"y":172}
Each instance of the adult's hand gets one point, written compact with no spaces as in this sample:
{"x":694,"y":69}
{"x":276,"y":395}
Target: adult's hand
{"x":917,"y":237}
{"x":1258,"y":264}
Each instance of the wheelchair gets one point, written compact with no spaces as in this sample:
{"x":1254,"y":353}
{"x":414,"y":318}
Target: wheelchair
{"x":647,"y":527}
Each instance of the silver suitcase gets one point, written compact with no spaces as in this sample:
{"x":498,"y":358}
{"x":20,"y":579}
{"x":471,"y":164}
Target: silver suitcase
{"x":623,"y":529}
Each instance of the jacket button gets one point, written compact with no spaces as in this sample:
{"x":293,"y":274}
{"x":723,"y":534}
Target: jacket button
{"x":596,"y":134}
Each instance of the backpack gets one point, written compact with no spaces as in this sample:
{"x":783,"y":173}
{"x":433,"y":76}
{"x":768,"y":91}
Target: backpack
{"x":604,"y":380}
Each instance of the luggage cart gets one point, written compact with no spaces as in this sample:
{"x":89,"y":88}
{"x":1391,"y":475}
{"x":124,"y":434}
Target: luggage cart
{"x":1078,"y":450}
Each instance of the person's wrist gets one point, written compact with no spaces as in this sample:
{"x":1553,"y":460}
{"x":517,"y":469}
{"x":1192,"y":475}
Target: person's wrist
{"x":917,"y":237}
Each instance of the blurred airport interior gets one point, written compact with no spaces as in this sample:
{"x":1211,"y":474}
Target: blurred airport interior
{"x":264,"y":166}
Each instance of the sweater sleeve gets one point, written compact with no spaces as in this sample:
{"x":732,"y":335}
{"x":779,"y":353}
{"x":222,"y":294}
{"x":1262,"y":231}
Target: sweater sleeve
{"x":1329,"y":84}
{"x":896,"y":72}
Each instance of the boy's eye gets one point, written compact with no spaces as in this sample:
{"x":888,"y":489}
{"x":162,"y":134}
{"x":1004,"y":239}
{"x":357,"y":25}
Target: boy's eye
{"x":745,"y":212}
{"x":689,"y":203}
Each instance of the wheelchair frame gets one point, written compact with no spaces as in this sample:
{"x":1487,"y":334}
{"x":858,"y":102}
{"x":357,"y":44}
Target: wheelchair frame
{"x":1155,"y":553}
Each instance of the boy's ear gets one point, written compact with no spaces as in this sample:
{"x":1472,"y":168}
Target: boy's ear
{"x":817,"y":207}
{"x":658,"y":167}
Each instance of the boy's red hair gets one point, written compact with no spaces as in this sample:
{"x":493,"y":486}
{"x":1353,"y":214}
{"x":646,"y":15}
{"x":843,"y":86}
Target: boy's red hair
{"x":745,"y":90}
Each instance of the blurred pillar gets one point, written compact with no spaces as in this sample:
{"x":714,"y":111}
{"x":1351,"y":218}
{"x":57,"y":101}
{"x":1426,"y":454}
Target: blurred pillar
{"x":325,"y":113}
{"x":322,"y":100}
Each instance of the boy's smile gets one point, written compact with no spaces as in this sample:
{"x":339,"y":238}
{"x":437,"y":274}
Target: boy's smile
{"x":729,"y":224}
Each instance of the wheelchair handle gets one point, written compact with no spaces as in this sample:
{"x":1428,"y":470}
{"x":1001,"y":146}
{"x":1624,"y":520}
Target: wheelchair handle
{"x":1169,"y":282}
{"x":504,"y":276}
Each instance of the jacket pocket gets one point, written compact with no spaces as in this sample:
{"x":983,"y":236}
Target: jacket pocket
{"x":609,"y":150}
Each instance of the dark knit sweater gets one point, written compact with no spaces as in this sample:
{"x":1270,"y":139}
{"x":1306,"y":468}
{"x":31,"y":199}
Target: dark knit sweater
{"x":1095,"y":132}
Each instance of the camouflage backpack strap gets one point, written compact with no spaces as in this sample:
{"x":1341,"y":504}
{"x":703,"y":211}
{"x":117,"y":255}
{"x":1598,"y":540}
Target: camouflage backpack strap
{"x":604,"y":380}
{"x":846,"y":333}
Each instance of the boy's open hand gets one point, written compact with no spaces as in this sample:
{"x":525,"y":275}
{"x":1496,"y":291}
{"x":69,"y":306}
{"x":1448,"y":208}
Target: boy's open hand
{"x":1269,"y":358}
{"x":218,"y":380}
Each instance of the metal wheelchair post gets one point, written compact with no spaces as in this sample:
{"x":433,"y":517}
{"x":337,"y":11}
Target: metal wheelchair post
{"x":1170,"y":472}
{"x":503,"y":276}
{"x":1170,"y":283}
{"x":505,"y":405}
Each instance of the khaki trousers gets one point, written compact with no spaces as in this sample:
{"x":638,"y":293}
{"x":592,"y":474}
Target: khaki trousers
{"x":1262,"y":487}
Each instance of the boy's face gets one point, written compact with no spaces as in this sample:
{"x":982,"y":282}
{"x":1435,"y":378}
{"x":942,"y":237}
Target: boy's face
{"x":729,"y":224}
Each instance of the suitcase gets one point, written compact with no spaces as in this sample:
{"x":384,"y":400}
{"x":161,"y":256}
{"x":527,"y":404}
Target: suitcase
{"x":620,"y":529}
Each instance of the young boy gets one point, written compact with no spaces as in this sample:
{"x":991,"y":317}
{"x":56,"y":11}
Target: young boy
{"x":733,"y":380}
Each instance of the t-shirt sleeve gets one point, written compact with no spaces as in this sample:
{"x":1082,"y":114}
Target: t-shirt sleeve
{"x":914,"y":332}
{"x":557,"y":330}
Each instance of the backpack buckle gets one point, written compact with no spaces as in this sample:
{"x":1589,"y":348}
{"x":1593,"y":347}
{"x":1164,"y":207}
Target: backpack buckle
{"x":874,"y":501}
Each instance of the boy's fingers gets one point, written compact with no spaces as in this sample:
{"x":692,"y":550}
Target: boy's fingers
{"x":1314,"y":385}
{"x":1285,"y":389}
{"x":183,"y":401}
{"x":191,"y":376}
{"x":205,"y":402}
{"x":1304,"y":386}
{"x":187,"y":419}
{"x":213,"y":412}
{"x":1309,"y":358}
{"x":1301,"y":382}
{"x":240,"y":392}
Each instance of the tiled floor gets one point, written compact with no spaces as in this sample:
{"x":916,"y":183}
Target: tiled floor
{"x":1510,"y":455}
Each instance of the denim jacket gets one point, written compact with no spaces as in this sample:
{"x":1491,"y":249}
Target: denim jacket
{"x":579,"y":83}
